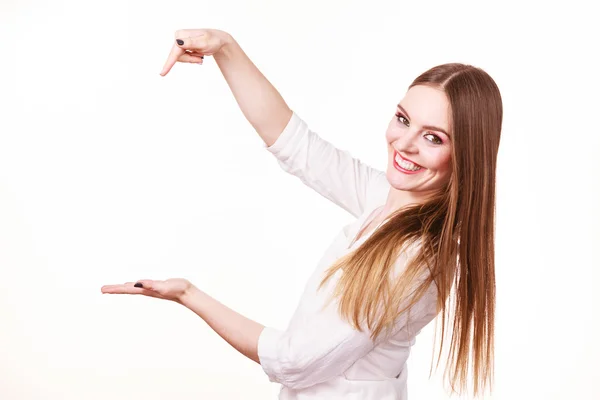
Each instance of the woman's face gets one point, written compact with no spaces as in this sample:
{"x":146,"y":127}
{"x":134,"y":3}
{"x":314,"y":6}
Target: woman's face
{"x":419,"y":138}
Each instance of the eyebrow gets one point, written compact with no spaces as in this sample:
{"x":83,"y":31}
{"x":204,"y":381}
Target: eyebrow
{"x":430,"y":127}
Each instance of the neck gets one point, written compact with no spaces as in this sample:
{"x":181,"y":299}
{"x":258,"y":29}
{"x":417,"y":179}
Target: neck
{"x":398,"y":199}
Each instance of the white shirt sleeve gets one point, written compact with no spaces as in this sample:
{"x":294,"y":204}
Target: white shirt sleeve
{"x":330,"y":171}
{"x":315,"y":351}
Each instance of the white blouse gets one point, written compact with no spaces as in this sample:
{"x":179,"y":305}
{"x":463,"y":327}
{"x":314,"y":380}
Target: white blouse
{"x":320,"y":355}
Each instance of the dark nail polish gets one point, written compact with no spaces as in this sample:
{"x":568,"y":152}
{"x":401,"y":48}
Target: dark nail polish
{"x":138,"y":285}
{"x":179,"y":42}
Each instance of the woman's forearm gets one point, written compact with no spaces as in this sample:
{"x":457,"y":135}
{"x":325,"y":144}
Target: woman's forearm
{"x":260,"y":102}
{"x":240,"y":332}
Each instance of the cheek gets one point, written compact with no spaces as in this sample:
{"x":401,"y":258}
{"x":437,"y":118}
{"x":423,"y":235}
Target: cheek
{"x":389,"y":139}
{"x":389,"y":135}
{"x":394,"y":130}
{"x":440,"y":161}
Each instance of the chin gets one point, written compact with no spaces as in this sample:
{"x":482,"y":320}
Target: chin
{"x":412,"y":183}
{"x":399,"y":182}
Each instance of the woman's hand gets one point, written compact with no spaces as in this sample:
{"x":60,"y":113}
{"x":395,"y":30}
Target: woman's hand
{"x":240,"y":332}
{"x":171,"y":289}
{"x":191,"y":45}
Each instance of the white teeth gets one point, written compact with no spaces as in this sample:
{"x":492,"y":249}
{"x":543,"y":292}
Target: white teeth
{"x":406,"y":164}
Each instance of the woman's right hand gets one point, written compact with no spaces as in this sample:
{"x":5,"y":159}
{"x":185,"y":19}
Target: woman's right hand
{"x":191,"y":45}
{"x":260,"y":102}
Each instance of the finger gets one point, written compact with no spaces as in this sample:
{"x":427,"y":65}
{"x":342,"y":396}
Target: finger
{"x":189,"y":58}
{"x":121,"y":289}
{"x":183,"y":33}
{"x":175,"y":53}
{"x":148,"y":284}
{"x":197,"y":43}
{"x":155,"y":286}
{"x":130,"y":288}
{"x":194,"y":53}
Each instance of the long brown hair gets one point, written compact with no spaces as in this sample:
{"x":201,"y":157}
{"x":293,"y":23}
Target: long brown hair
{"x":453,"y":233}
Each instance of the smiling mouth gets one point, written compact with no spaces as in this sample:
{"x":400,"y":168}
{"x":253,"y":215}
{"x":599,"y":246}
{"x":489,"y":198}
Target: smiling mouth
{"x":405,"y":165}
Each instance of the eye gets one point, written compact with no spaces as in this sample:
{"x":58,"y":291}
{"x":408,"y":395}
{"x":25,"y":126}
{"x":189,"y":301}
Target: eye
{"x":402,"y":119}
{"x":435,"y":139}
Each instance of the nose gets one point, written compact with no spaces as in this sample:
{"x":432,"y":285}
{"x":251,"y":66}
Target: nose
{"x":407,"y":141}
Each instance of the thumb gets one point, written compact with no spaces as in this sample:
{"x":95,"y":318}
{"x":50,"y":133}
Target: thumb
{"x":193,"y":42}
{"x":148,"y":284}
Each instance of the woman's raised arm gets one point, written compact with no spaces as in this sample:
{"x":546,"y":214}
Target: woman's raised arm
{"x":332,"y":172}
{"x":260,"y":102}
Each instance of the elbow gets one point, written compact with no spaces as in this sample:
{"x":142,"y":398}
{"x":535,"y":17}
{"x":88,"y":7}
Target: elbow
{"x":297,"y":364}
{"x":295,"y":372}
{"x":301,"y":374}
{"x":298,"y":385}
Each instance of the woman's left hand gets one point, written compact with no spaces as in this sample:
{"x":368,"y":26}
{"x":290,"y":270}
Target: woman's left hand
{"x":171,"y":289}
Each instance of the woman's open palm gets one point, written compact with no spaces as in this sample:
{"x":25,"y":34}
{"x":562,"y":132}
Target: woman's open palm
{"x":170,"y":289}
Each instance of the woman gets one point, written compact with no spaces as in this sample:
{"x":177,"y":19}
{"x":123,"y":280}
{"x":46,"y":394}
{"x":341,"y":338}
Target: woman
{"x":423,"y":228}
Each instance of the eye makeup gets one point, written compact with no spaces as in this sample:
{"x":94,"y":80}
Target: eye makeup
{"x":436,"y":139}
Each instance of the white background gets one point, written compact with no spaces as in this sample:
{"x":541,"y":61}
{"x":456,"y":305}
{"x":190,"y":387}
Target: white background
{"x":110,"y":173}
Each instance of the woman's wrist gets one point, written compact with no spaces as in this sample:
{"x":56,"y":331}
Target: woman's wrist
{"x":227,"y":39}
{"x":227,"y":49}
{"x":190,"y":292}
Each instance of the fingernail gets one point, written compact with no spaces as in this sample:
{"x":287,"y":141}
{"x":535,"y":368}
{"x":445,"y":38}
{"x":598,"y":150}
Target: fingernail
{"x":138,"y":285}
{"x":179,"y":42}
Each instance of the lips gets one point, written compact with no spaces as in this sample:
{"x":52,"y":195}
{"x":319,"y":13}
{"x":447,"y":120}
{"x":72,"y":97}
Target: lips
{"x":396,"y":153}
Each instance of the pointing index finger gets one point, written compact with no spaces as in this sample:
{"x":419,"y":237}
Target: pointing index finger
{"x":176,"y":51}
